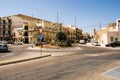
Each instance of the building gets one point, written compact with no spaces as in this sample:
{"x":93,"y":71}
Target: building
{"x":23,"y":28}
{"x":50,"y":31}
{"x":73,"y":33}
{"x":5,"y":28}
{"x":29,"y":31}
{"x":79,"y":34}
{"x":86,"y":36}
{"x":109,"y":34}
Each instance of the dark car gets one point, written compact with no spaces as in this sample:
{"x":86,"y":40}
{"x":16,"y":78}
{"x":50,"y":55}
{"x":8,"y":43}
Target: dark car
{"x":113,"y":44}
{"x":9,"y":42}
{"x":37,"y":43}
{"x":3,"y":47}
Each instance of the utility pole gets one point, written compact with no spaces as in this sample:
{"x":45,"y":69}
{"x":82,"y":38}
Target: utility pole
{"x":57,"y":29}
{"x":100,"y":26}
{"x":75,"y":30}
{"x":57,"y":17}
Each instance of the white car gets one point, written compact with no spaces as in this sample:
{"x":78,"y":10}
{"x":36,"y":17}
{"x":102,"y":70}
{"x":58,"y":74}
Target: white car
{"x":82,"y":41}
{"x":18,"y":43}
{"x":95,"y":43}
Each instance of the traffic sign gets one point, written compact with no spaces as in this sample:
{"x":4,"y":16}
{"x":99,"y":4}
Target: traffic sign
{"x":40,"y":30}
{"x":41,"y":36}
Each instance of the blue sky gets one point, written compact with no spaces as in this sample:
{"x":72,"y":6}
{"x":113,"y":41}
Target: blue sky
{"x":89,"y":13}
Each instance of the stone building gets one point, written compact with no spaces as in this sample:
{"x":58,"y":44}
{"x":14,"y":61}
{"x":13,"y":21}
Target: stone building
{"x":23,"y":28}
{"x":5,"y":28}
{"x":109,"y":34}
{"x":72,"y":32}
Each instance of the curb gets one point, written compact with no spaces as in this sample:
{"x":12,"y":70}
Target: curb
{"x":22,"y":60}
{"x":61,"y":49}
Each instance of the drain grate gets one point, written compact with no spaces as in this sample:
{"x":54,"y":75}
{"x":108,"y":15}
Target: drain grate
{"x":115,"y":73}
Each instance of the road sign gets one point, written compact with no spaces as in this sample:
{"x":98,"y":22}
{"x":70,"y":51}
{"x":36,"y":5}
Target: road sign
{"x":41,"y":36}
{"x":40,"y":30}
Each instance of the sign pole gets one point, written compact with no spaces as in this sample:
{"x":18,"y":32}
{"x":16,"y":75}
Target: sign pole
{"x":41,"y":37}
{"x":41,"y":47}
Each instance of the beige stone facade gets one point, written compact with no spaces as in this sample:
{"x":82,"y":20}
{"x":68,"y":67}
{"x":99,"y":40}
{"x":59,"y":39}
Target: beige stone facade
{"x":72,"y":32}
{"x":5,"y":28}
{"x":109,"y":34}
{"x":25,"y":29}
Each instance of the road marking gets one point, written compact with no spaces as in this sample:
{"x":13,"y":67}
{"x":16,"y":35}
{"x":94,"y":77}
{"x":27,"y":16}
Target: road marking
{"x":113,"y":73}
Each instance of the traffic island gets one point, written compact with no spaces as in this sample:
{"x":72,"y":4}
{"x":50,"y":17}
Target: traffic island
{"x":22,"y":58}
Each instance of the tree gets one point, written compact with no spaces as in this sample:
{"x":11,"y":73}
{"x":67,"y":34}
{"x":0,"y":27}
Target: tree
{"x":61,"y":36}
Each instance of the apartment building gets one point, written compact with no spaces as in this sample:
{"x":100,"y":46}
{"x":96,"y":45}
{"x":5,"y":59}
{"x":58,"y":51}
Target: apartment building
{"x":30,"y":30}
{"x":109,"y":34}
{"x":5,"y":28}
{"x":86,"y":36}
{"x":72,"y":32}
{"x":50,"y":31}
{"x":23,"y":28}
{"x":79,"y":34}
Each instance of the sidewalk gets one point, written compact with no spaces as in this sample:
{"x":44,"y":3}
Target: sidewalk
{"x":26,"y":56}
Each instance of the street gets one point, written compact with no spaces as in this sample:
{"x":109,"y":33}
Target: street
{"x":87,"y":63}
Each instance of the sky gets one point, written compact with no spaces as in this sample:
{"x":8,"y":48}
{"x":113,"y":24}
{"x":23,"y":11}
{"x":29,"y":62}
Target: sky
{"x":89,"y":14}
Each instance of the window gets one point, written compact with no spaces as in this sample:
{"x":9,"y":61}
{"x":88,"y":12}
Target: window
{"x":111,"y":38}
{"x":26,"y":27}
{"x":26,"y":34}
{"x":4,"y":21}
{"x":116,"y":39}
{"x":9,"y":27}
{"x":10,"y":21}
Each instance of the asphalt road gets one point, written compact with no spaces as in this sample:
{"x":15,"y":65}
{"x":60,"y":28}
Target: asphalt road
{"x":87,"y":63}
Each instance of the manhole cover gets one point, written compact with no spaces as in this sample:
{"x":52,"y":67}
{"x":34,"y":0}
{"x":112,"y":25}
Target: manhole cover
{"x":115,"y":73}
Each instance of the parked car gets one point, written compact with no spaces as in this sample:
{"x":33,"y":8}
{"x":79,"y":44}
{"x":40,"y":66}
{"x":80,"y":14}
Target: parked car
{"x":9,"y":42}
{"x":95,"y":43}
{"x":113,"y":44}
{"x":18,"y":43}
{"x":82,"y":41}
{"x":37,"y":43}
{"x":3,"y":47}
{"x":3,"y":42}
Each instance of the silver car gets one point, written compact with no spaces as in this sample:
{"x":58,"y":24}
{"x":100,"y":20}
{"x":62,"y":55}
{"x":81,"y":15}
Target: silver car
{"x":3,"y":47}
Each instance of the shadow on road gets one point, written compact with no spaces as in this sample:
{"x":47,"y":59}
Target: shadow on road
{"x":5,"y":51}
